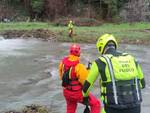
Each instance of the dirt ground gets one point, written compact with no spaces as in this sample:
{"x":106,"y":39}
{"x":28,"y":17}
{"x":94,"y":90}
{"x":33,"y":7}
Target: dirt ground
{"x":39,"y":33}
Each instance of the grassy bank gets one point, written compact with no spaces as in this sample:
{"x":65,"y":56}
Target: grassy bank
{"x":126,"y":32}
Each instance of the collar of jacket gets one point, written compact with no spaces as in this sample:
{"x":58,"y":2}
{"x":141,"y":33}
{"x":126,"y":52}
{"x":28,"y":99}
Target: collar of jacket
{"x":113,"y":52}
{"x":73,"y":58}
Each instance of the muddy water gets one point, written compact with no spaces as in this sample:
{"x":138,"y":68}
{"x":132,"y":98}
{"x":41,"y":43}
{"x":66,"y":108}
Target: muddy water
{"x":28,"y":73}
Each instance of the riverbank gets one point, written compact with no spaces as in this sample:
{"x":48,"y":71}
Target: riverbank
{"x":32,"y":109}
{"x":136,"y":33}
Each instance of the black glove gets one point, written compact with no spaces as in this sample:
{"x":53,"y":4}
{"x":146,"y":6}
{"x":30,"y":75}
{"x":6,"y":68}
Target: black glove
{"x":86,"y":110}
{"x":89,"y":65}
{"x":86,"y":101}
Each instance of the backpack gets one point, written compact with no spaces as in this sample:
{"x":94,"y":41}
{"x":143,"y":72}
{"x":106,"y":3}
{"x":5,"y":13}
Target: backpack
{"x":122,"y":94}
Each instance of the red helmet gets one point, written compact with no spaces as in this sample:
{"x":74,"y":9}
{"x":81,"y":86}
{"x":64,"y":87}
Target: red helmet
{"x":75,"y":49}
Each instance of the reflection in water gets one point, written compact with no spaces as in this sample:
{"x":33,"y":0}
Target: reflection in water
{"x":29,"y":72}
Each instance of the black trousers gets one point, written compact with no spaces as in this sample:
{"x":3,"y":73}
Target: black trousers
{"x":129,"y":110}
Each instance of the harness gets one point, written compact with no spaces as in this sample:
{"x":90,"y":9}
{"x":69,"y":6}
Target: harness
{"x":69,"y":79}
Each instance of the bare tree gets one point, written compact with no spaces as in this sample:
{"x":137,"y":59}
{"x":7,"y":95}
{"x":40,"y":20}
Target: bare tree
{"x":135,"y":10}
{"x":54,"y":8}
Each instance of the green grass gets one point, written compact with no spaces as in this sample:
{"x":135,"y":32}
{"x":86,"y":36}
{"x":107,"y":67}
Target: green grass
{"x":120,"y":31}
{"x":22,"y":26}
{"x":86,"y":34}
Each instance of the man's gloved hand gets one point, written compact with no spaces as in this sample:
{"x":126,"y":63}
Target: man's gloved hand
{"x":86,"y":101}
{"x":89,"y":65}
{"x":86,"y":110}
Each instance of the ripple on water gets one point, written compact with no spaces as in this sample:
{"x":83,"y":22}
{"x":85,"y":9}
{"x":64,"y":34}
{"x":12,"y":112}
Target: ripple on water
{"x":24,"y":81}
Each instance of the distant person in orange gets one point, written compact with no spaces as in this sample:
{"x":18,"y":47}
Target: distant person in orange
{"x":70,"y":28}
{"x":73,"y":74}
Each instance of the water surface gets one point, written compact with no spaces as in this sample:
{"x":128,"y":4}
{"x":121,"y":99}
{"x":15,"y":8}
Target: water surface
{"x":29,"y":72}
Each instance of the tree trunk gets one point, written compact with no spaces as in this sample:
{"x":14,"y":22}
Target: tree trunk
{"x":89,"y":8}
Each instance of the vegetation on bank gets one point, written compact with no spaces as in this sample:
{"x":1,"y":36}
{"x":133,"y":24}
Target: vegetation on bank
{"x":112,"y":10}
{"x":123,"y":31}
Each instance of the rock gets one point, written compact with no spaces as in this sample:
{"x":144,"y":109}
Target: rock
{"x":1,"y":37}
{"x":47,"y":71}
{"x":13,"y":112}
{"x":35,"y":109}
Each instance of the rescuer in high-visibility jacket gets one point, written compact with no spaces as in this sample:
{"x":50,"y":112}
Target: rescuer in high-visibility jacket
{"x":121,"y":78}
{"x":70,"y":28}
{"x":73,"y":74}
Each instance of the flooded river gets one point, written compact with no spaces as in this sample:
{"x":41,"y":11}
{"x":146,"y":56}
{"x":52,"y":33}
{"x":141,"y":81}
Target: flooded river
{"x":29,"y":72}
